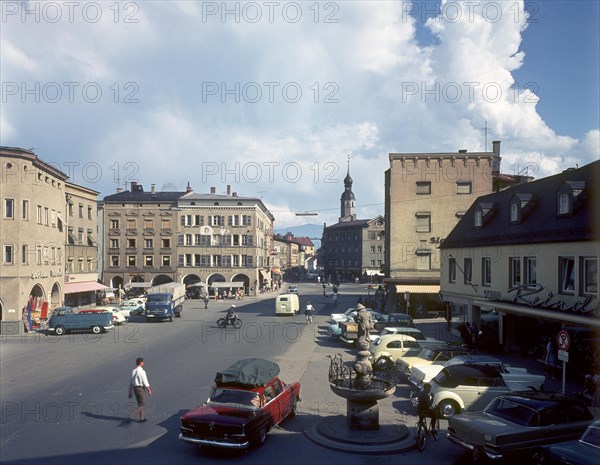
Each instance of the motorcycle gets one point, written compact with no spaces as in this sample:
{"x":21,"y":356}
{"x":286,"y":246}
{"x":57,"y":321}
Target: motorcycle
{"x":224,"y":322}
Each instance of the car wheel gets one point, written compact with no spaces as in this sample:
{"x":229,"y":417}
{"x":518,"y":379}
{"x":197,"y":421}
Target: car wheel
{"x":539,"y":457}
{"x":59,"y":330}
{"x":447,"y":408}
{"x":221,"y":323}
{"x":96,"y":329}
{"x":261,"y":437}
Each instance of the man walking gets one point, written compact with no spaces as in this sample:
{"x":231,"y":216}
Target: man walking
{"x":138,"y":385}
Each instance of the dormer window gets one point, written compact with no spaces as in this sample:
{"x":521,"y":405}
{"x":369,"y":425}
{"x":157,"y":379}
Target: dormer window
{"x":520,"y":206}
{"x":483,"y":213}
{"x":569,"y":197}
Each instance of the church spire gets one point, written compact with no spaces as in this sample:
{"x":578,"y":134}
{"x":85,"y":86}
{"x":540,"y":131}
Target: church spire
{"x":347,"y":200}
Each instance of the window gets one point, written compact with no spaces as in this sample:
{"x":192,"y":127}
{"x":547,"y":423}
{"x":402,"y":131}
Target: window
{"x":90,"y":237}
{"x":114,"y":260}
{"x":452,"y":270}
{"x":131,"y":224}
{"x":148,"y":260}
{"x":423,"y":260}
{"x":566,"y":266}
{"x":514,"y":269}
{"x":483,"y":213}
{"x":165,"y":260}
{"x":589,"y":275}
{"x":148,"y":243}
{"x":114,"y":224}
{"x":39,"y":214}
{"x":514,"y":212}
{"x":564,"y":204}
{"x":486,"y":271}
{"x":463,"y":187}
{"x":423,"y":222}
{"x":114,"y":243}
{"x":165,"y":242}
{"x":9,"y":254}
{"x":25,"y":210}
{"x":423,"y":187}
{"x":46,"y":216}
{"x":530,"y":270}
{"x":80,"y":210}
{"x":165,"y":223}
{"x":379,"y":249}
{"x":570,"y":195}
{"x":148,"y":224}
{"x":9,"y":208}
{"x":80,"y":236}
{"x":131,"y":260}
{"x":246,"y":220}
{"x":131,"y":243}
{"x":372,"y":249}
{"x":89,"y":213}
{"x":468,"y":270}
{"x":372,"y":263}
{"x":217,"y":220}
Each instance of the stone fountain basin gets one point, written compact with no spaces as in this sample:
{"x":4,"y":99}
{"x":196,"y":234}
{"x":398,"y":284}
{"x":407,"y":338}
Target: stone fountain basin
{"x":371,"y":394}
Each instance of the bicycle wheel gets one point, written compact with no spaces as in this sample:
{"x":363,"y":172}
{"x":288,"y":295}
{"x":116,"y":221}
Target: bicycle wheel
{"x":421,"y":436}
{"x":237,"y":324}
{"x":435,"y":431}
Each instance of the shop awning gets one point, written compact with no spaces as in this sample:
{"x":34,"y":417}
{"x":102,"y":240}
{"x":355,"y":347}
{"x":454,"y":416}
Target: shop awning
{"x":231,"y":284}
{"x":198,"y":284}
{"x":143,"y":285}
{"x":276,"y":271}
{"x":374,"y":273}
{"x":417,"y":288}
{"x":540,"y":313}
{"x":86,"y":286}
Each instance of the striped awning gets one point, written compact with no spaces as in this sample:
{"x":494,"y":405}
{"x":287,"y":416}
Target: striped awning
{"x":418,"y":288}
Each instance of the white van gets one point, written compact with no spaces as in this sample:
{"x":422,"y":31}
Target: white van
{"x":287,"y":304}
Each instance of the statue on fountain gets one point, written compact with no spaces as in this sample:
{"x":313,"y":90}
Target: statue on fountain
{"x":362,"y":366}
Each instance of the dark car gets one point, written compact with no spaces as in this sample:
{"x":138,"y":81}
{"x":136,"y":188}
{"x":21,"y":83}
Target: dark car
{"x":248,"y":399}
{"x":517,"y":424}
{"x":584,"y":451}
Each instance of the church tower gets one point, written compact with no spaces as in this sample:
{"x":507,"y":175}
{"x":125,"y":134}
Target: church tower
{"x":347,"y":200}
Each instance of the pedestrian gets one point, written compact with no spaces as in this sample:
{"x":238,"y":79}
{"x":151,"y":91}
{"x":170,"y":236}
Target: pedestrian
{"x":474,"y":335}
{"x":205,"y":299}
{"x":335,"y":299}
{"x":550,"y":358}
{"x":324,"y":287}
{"x":309,"y":313}
{"x":138,"y":386}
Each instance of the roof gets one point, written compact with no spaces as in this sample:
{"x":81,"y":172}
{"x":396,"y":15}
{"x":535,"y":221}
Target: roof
{"x":141,"y":197}
{"x":349,"y":224}
{"x":541,"y":223}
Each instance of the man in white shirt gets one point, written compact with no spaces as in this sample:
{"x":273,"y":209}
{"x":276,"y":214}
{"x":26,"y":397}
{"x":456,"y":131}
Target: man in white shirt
{"x":138,"y":385}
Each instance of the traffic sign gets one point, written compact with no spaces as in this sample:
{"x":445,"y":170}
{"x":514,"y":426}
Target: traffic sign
{"x":563,"y":340}
{"x":563,"y":355}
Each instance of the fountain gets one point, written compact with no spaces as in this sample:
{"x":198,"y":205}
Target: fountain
{"x":360,"y":431}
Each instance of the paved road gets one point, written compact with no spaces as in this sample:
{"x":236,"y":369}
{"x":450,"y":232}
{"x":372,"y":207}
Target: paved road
{"x":64,"y":399}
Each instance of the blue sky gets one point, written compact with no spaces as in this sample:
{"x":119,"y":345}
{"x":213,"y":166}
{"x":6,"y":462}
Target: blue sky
{"x":272,"y":99}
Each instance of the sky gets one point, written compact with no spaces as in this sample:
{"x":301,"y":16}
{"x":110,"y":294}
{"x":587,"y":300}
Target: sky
{"x":275,"y":98}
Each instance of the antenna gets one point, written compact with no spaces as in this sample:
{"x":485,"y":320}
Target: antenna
{"x":485,"y":133}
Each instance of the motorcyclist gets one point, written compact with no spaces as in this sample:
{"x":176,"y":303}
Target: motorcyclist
{"x":231,"y":315}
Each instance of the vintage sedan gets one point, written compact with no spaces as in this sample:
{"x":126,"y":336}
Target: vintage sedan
{"x":584,"y":451}
{"x":385,"y":350}
{"x":248,"y":399}
{"x":515,"y":378}
{"x":429,"y":356}
{"x":516,"y":425}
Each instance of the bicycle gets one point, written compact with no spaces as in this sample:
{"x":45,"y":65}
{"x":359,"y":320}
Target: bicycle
{"x":423,"y":433}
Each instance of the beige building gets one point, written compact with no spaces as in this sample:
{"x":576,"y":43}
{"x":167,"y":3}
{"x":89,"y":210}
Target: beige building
{"x":33,"y":235}
{"x":523,"y":264}
{"x":221,"y":241}
{"x":426,"y":195}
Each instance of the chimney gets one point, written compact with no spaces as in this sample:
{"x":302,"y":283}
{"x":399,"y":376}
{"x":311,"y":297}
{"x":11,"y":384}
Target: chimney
{"x":234,"y":194}
{"x":188,"y":188}
{"x":119,"y":190}
{"x":153,"y":188}
{"x":228,"y":190}
{"x":462,"y":151}
{"x":496,"y":147}
{"x":133,"y":186}
{"x":213,"y":190}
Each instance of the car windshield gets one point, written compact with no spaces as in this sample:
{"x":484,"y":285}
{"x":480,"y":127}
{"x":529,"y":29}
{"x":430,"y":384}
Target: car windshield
{"x":427,"y":354}
{"x":513,"y":412}
{"x":234,"y":398}
{"x":591,"y":436}
{"x":158,"y":298}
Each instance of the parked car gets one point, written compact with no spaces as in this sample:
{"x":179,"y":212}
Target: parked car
{"x":336,"y":329}
{"x":344,"y":316}
{"x":514,"y":426}
{"x":65,"y":319}
{"x":583,"y":451}
{"x":430,"y":355}
{"x":248,"y":399}
{"x":134,"y":306}
{"x":387,"y":349}
{"x":465,"y":387}
{"x":516,"y":378}
{"x":293,"y":290}
{"x":287,"y":304}
{"x":118,"y":317}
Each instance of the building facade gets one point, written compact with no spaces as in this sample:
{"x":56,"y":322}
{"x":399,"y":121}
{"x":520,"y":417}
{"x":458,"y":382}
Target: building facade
{"x":39,"y":260}
{"x":220,"y":241}
{"x":523,"y":262}
{"x":425,"y":196}
{"x":352,"y":248}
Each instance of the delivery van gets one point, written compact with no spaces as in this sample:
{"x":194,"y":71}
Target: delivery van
{"x":287,"y":304}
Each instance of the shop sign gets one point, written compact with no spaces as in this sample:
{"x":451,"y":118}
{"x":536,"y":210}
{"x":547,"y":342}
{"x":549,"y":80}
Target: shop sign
{"x":531,"y":294}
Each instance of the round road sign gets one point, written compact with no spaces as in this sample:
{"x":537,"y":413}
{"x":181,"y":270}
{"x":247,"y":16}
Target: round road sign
{"x":563,"y":340}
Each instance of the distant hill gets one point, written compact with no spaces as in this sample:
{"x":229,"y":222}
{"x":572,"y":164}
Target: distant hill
{"x":305,"y":230}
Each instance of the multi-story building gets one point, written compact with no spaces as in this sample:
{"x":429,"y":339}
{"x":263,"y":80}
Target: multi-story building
{"x":524,"y":261}
{"x":222,"y":241}
{"x":291,"y":254}
{"x":352,"y":248}
{"x":425,"y":196}
{"x":39,"y":264}
{"x":82,"y":248}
